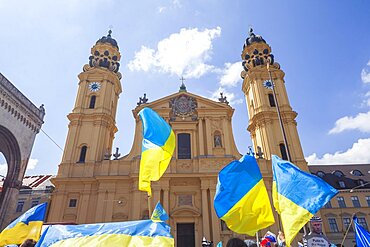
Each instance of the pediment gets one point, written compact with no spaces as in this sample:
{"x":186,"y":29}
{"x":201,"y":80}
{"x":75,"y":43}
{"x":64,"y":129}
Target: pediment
{"x":202,"y":104}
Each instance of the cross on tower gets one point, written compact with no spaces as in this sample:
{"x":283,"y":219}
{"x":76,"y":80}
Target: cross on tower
{"x":182,"y":79}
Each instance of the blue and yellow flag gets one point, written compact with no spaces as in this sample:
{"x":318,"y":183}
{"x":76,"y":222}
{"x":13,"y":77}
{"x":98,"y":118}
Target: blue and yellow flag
{"x":157,"y":148}
{"x":128,"y":234}
{"x":159,"y":214}
{"x":362,"y":236}
{"x":241,"y":198}
{"x":27,"y":226}
{"x":297,"y":195}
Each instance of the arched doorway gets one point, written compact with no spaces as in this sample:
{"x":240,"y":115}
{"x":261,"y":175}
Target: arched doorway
{"x":10,"y":151}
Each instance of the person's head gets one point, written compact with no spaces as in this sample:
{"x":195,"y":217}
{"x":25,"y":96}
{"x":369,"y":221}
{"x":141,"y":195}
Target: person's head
{"x":281,"y":236}
{"x":28,"y":243}
{"x":235,"y":242}
{"x":316,"y":224}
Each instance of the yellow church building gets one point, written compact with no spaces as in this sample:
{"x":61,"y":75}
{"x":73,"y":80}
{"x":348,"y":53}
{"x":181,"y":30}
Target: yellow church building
{"x":91,"y":186}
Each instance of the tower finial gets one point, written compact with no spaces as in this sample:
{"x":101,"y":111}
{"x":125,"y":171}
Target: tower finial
{"x":109,"y":33}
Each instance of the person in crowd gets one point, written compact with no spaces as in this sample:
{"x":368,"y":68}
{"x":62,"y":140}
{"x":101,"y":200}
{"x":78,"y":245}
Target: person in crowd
{"x":235,"y":242}
{"x":281,"y":239}
{"x":28,"y":243}
{"x":268,"y":240}
{"x":315,"y":237}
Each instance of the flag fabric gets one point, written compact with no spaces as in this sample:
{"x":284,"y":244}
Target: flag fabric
{"x":159,"y":214}
{"x":157,"y":148}
{"x":362,"y":236}
{"x":26,"y":226}
{"x":219,"y":244}
{"x":297,"y":195}
{"x":241,"y":198}
{"x":128,"y":234}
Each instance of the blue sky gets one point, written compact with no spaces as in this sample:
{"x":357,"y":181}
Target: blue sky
{"x":322,"y":46}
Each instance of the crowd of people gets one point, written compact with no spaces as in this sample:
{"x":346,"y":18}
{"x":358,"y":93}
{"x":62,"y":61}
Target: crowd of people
{"x":314,"y":238}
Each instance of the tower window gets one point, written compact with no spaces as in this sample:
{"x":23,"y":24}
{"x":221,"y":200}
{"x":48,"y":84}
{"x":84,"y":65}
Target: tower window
{"x":184,"y":148}
{"x":92,"y":102}
{"x":82,"y":154}
{"x":284,"y":155}
{"x":271,"y":100}
{"x":341,"y":202}
{"x":333,"y":225}
{"x":20,"y":205}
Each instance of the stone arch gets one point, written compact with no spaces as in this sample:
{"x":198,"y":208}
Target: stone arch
{"x":10,"y":148}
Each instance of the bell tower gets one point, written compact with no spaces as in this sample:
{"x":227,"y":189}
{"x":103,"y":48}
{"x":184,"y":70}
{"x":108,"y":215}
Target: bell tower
{"x":264,"y":125}
{"x":93,"y":119}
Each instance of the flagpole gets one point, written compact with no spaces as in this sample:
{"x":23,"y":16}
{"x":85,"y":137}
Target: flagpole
{"x":149,"y":205}
{"x":349,"y":226}
{"x":278,"y":112}
{"x":258,"y":242}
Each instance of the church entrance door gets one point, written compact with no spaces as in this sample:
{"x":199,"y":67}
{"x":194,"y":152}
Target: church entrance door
{"x":185,"y":235}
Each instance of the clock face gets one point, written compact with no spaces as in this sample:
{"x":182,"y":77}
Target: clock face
{"x":94,"y":86}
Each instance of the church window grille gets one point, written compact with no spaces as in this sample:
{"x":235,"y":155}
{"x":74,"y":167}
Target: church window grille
{"x":333,"y":225}
{"x":362,"y":222}
{"x":284,"y":155}
{"x":346,"y":224}
{"x":355,"y":201}
{"x":72,"y":203}
{"x":328,"y":205}
{"x":341,"y":202}
{"x":82,"y":154}
{"x":92,"y":102}
{"x":342,"y":184}
{"x":34,"y":203}
{"x":271,"y":100}
{"x":368,"y":200}
{"x":184,"y":147}
{"x":20,"y":205}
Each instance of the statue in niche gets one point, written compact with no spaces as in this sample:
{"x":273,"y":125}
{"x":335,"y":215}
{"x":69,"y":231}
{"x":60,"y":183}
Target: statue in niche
{"x":217,"y":140}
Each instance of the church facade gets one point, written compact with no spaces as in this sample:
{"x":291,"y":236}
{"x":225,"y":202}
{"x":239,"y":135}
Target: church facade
{"x":91,"y":186}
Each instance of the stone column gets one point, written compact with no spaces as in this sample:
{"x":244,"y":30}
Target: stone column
{"x":205,"y":211}
{"x":209,"y":137}
{"x":84,"y":200}
{"x":201,"y":137}
{"x":215,"y":220}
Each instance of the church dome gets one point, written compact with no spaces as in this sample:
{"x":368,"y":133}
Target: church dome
{"x":253,"y":38}
{"x":108,"y":39}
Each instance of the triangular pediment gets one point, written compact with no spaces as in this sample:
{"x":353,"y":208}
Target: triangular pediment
{"x":202,"y":103}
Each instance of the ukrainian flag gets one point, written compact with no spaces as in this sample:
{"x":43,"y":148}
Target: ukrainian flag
{"x":297,"y":195}
{"x":129,"y":234}
{"x":159,"y":214}
{"x":241,"y":198}
{"x":27,"y":226}
{"x":157,"y":148}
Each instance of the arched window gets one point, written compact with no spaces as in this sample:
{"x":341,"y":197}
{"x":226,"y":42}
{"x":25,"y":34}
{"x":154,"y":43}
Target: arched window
{"x":284,"y":155}
{"x":183,"y":146}
{"x":356,"y":173}
{"x":271,"y":100}
{"x":92,"y":102}
{"x":338,"y":173}
{"x":320,"y":174}
{"x":82,"y":154}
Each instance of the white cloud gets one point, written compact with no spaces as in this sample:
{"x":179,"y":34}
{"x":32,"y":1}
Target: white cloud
{"x":360,"y":122}
{"x":231,"y":74}
{"x":184,"y":53}
{"x":229,"y":96}
{"x":357,"y":154}
{"x":161,"y":9}
{"x":365,"y":74}
{"x":31,"y":165}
